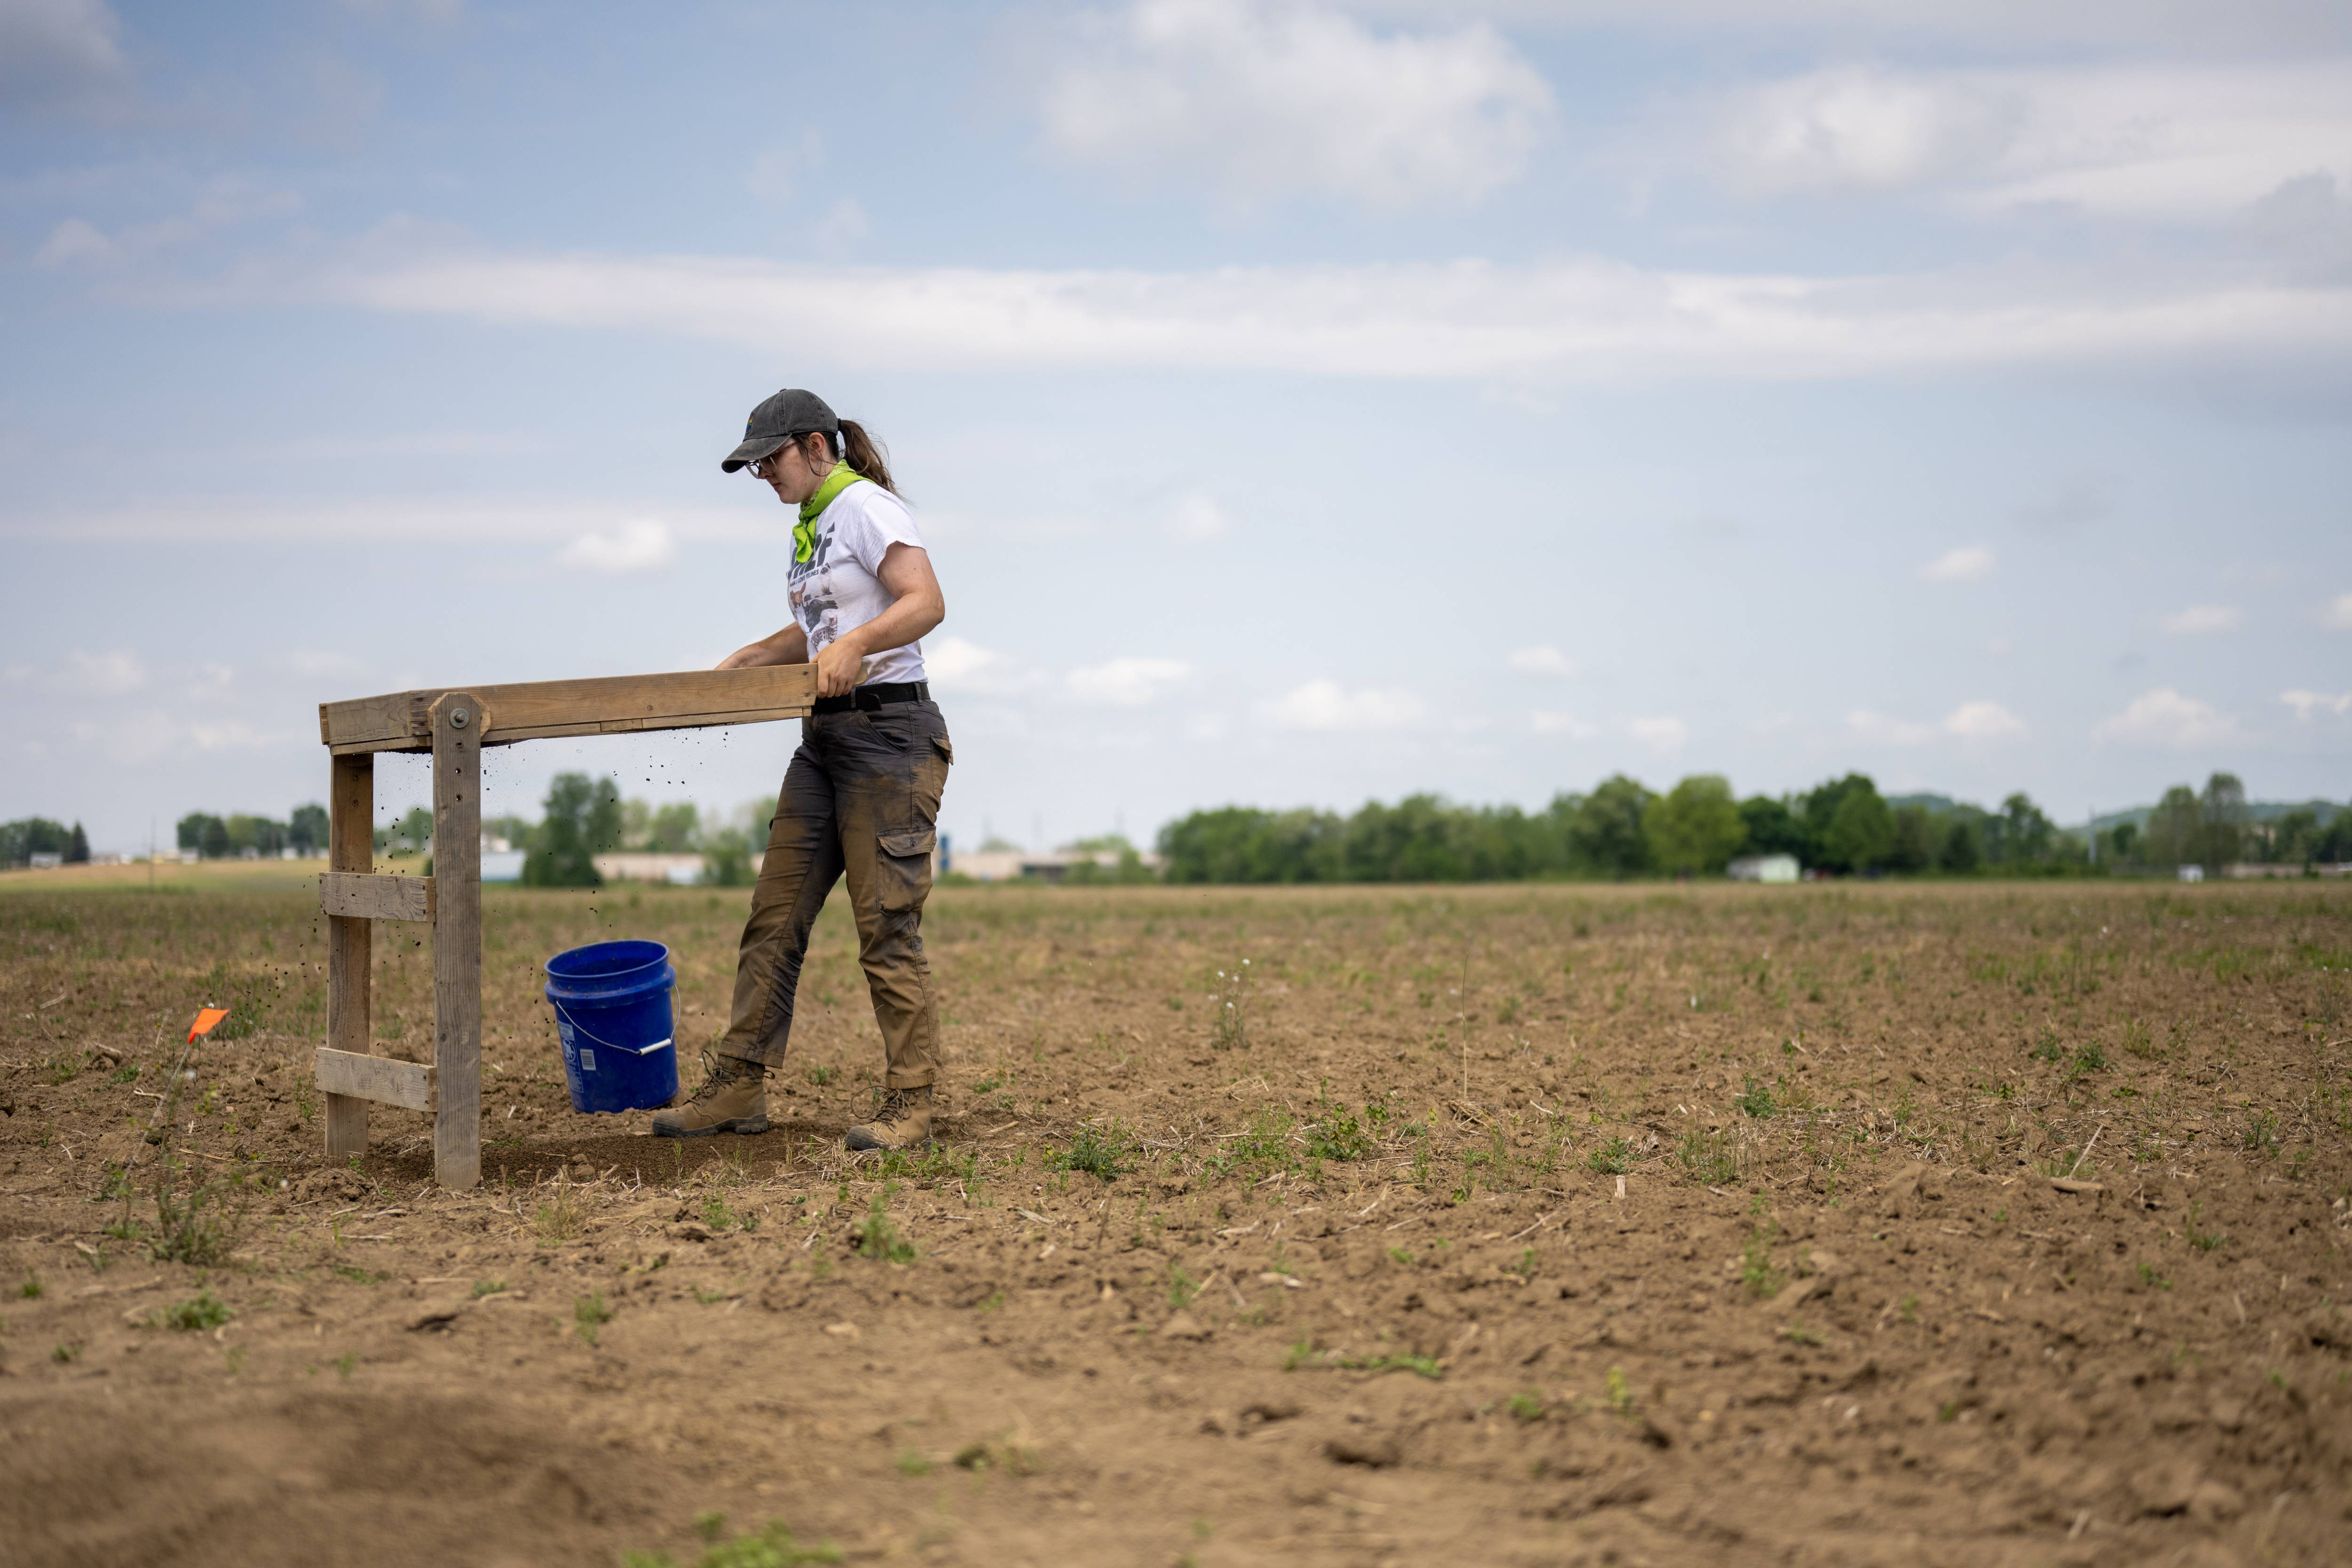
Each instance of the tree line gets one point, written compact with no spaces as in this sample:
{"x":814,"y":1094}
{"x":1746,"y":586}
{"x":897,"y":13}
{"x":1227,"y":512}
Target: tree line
{"x":29,"y":836}
{"x":238,"y":834}
{"x":1622,"y":829}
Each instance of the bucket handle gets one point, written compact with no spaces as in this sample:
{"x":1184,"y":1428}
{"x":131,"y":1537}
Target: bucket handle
{"x":608,"y":1044}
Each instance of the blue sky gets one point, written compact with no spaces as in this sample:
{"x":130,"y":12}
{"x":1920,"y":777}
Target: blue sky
{"x":1305,"y":402}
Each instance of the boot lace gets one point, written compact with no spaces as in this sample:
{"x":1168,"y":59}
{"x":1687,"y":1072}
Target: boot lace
{"x":896,"y":1104}
{"x":716,"y":1076}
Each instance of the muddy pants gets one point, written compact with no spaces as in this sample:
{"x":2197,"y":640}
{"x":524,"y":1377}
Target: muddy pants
{"x":861,"y":797}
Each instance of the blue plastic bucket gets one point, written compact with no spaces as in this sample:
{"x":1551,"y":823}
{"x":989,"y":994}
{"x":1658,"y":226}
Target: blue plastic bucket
{"x":612,"y":1013}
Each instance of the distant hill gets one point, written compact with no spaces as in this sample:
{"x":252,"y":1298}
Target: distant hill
{"x":2137,"y":815}
{"x":2256,"y":811}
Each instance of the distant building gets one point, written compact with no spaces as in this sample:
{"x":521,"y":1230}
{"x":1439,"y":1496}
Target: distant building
{"x":47,"y":860}
{"x":1763,"y":868}
{"x":2192,"y":873}
{"x":1020,"y":865}
{"x":501,"y":865}
{"x":648,"y":866}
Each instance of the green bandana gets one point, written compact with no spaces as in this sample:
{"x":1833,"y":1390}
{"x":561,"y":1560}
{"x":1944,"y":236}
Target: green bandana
{"x":804,"y":530}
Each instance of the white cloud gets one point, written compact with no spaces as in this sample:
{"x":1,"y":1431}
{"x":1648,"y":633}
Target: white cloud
{"x":1197,"y":519}
{"x":114,"y":674}
{"x":1984,"y":720}
{"x":1968,"y":564}
{"x":631,"y":550}
{"x":59,"y":53}
{"x":2200,"y":620}
{"x":2195,"y":143}
{"x":75,"y":240}
{"x":212,"y":683}
{"x":1863,"y":128}
{"x":1977,"y":721}
{"x":1328,"y":705}
{"x":2163,"y":716}
{"x":1206,"y":727}
{"x":2340,"y":614}
{"x":2007,"y":24}
{"x":1541,"y":659}
{"x":1587,"y":321}
{"x":776,"y":174}
{"x":1878,"y":729}
{"x":2305,"y":703}
{"x":1663,"y":735}
{"x":153,"y":735}
{"x":1262,"y":98}
{"x":844,"y":225}
{"x":1568,"y":724}
{"x":1128,"y":683}
{"x":958,"y":664}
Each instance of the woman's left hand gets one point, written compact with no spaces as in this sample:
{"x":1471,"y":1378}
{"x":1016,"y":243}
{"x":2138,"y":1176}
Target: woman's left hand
{"x":837,"y":669}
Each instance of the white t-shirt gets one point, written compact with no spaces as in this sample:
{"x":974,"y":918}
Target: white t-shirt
{"x":840,"y":587}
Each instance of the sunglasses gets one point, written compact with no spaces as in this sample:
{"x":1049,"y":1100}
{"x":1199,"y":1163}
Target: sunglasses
{"x":769,"y":467}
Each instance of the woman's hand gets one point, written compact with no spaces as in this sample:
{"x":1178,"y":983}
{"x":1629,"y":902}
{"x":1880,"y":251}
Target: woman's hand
{"x":837,"y":669}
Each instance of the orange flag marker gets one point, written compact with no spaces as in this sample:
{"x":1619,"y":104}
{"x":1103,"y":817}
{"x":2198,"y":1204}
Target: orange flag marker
{"x":205,"y":1018}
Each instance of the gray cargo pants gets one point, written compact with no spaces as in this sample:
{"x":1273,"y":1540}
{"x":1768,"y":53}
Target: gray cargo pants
{"x":860,"y":798}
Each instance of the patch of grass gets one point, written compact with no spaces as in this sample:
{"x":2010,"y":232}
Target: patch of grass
{"x":1229,"y":1030}
{"x":1103,"y":1153}
{"x":2203,"y":1240}
{"x":1307,"y":1356}
{"x":30,"y":1287}
{"x":775,"y":1547}
{"x":2139,"y":1044}
{"x":1181,"y":1287}
{"x":1613,"y":1158}
{"x":1798,"y":1333}
{"x":1758,"y":1275}
{"x":911,"y":1463}
{"x":1527,"y":1407}
{"x":1908,"y":1309}
{"x":360,"y":1276}
{"x":2152,"y":1280}
{"x":589,"y":1314}
{"x":1005,"y":1452}
{"x":2261,"y":1135}
{"x":823,"y":1076}
{"x":487,"y":1288}
{"x":1336,"y":1134}
{"x":717,"y":1215}
{"x":562,"y":1218}
{"x":879,"y":1238}
{"x":1621,"y":1393}
{"x":198,"y":1226}
{"x":1709,"y":1159}
{"x":1755,"y":1100}
{"x":198,"y":1312}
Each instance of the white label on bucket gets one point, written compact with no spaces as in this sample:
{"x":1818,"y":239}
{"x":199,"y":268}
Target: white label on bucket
{"x":587,"y":1060}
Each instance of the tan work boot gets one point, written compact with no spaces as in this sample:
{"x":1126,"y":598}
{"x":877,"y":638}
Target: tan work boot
{"x":904,"y":1122}
{"x":733,"y":1099}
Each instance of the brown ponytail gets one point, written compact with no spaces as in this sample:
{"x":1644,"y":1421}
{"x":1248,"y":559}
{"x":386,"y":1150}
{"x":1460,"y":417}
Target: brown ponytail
{"x":865,"y":454}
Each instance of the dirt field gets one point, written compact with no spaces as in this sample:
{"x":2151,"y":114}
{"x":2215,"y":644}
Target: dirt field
{"x":1979,"y":1226}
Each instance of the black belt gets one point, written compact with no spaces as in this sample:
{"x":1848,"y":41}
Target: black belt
{"x":874,"y":694}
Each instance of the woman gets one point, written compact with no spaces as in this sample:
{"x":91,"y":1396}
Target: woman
{"x":862,"y":794}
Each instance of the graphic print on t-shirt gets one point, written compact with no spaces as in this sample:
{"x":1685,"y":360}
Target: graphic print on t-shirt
{"x":814,"y":604}
{"x":838,"y":589}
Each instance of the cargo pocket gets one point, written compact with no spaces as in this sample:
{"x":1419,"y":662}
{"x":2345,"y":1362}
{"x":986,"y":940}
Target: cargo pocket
{"x":906,"y":870}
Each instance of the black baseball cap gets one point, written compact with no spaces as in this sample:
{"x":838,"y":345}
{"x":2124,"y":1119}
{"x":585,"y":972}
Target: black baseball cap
{"x":789,"y":412}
